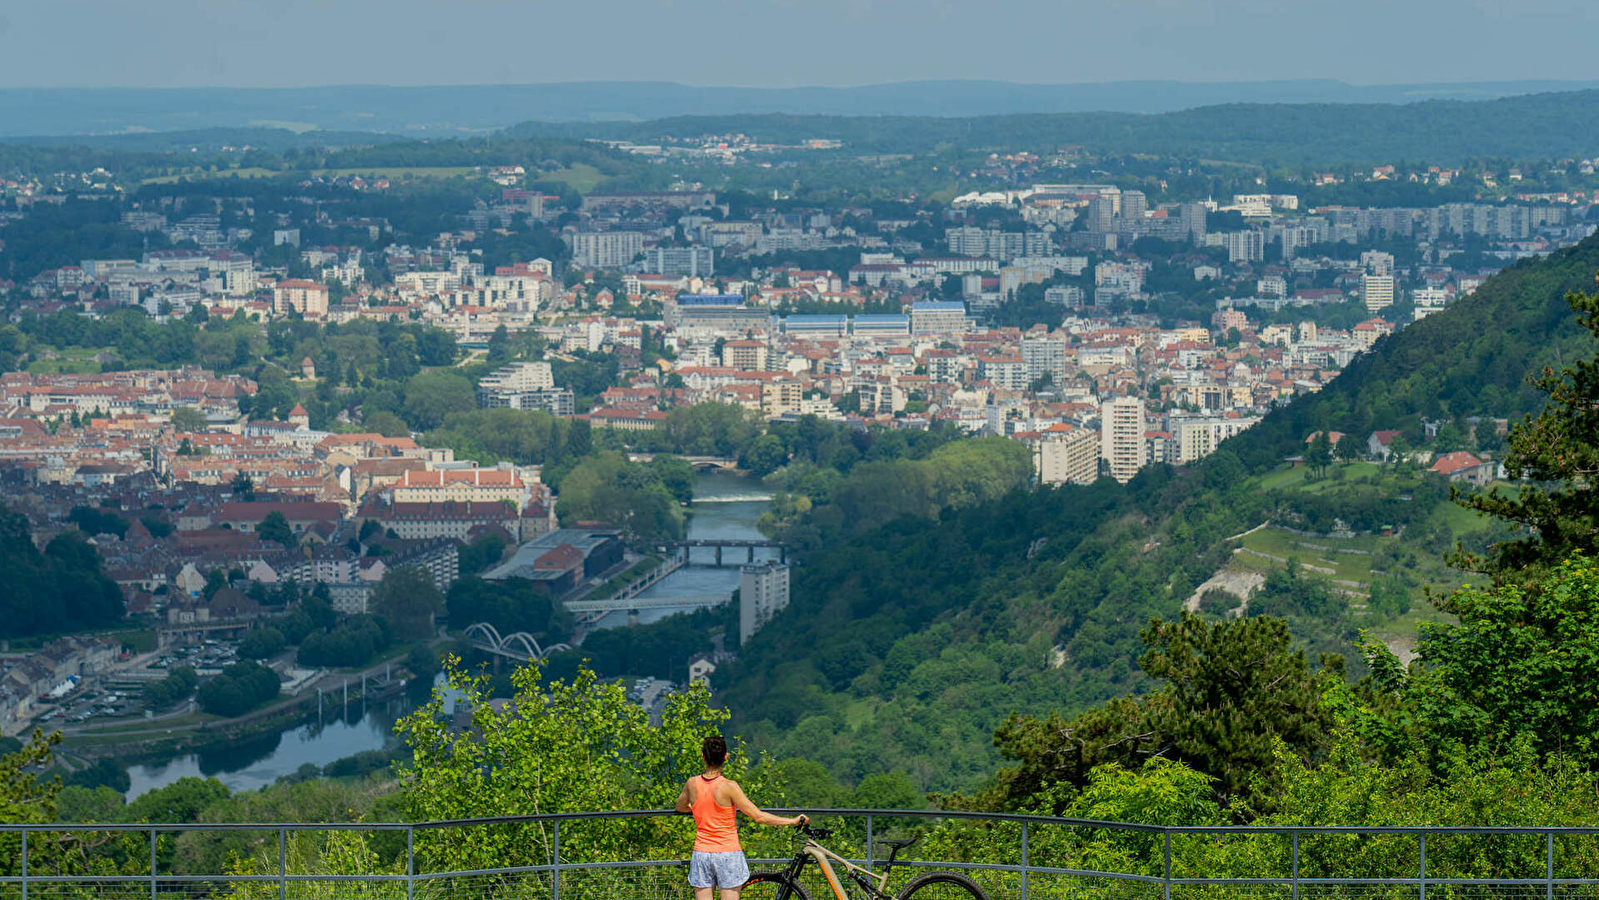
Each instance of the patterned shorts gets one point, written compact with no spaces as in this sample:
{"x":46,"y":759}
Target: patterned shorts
{"x":724,"y":870}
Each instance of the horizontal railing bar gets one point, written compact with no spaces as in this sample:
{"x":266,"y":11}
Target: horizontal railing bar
{"x":901,"y":813}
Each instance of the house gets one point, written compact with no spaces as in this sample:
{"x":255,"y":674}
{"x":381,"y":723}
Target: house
{"x":1380,"y":444}
{"x":1461,"y":466}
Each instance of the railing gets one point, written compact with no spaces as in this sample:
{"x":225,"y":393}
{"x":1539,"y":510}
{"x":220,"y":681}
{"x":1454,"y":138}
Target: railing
{"x":1013,"y":857}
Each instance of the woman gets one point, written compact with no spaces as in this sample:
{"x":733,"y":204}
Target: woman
{"x":714,"y":801}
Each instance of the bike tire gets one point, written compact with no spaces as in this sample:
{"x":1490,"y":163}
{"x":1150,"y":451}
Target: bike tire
{"x":941,"y":886}
{"x":773,"y":886}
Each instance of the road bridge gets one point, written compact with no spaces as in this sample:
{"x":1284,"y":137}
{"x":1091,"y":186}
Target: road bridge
{"x":619,"y":604}
{"x":688,"y":546}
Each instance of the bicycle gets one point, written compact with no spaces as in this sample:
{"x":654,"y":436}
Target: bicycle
{"x":785,"y":885}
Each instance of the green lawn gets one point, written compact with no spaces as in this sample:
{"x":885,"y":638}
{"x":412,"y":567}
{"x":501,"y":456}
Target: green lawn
{"x":581,"y":177}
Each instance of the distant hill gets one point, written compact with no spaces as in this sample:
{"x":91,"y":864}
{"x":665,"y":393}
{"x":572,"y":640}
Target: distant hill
{"x":1537,"y":126}
{"x":424,"y":112}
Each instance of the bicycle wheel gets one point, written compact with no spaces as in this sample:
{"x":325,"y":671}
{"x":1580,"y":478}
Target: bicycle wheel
{"x":773,"y":886}
{"x":941,"y":886}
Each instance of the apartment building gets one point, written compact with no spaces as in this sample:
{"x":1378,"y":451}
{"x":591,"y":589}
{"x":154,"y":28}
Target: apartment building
{"x":1121,"y":433}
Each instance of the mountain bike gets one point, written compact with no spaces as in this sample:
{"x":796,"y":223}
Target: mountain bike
{"x":785,"y":885}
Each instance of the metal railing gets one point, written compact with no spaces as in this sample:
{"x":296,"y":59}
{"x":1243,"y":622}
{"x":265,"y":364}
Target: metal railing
{"x":1013,"y":857}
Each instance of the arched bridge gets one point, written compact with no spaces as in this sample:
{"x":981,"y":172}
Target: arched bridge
{"x":516,"y":645}
{"x":701,"y":463}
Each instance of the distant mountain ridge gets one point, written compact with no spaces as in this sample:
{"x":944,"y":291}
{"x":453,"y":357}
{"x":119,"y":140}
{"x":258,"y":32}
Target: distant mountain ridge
{"x":476,"y":109}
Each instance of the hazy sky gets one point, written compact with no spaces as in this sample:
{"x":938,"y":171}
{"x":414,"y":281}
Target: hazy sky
{"x":782,"y":43}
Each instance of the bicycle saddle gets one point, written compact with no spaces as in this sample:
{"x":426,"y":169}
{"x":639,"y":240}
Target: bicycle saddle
{"x":897,"y":843}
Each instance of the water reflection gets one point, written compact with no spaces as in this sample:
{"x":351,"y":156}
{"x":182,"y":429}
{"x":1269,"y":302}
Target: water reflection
{"x":726,"y":507}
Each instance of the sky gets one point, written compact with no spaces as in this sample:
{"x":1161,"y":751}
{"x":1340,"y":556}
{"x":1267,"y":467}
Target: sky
{"x":785,"y":43}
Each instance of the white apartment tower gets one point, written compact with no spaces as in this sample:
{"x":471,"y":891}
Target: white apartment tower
{"x":1121,"y":436}
{"x":1377,"y":291}
{"x":762,"y":591}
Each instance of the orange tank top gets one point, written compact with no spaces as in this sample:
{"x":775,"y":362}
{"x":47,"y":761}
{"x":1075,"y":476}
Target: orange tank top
{"x":714,"y":828}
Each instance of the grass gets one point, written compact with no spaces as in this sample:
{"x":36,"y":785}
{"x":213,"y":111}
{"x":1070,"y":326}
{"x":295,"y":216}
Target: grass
{"x":396,"y":173}
{"x":581,"y":177}
{"x":142,"y":640}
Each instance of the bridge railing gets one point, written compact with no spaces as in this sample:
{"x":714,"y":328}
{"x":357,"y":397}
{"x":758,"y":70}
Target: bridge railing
{"x":639,"y":855}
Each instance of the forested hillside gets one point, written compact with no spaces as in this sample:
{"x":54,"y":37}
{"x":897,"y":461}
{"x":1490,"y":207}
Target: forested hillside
{"x":904,"y":647}
{"x":1438,"y":131}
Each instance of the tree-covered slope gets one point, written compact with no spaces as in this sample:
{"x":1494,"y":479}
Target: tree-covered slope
{"x":904,"y":646}
{"x":1537,"y":126}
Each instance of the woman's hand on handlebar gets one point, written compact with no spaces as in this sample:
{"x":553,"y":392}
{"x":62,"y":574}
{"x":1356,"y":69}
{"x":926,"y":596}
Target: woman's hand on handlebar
{"x":800,"y":821}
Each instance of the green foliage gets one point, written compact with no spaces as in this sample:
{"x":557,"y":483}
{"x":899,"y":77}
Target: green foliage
{"x":261,"y":643}
{"x":103,"y":772}
{"x":1519,"y":666}
{"x":431,"y":397}
{"x":1558,"y":450}
{"x":492,"y":435}
{"x":632,"y":497}
{"x":178,"y":685}
{"x":352,"y":643}
{"x":661,"y":649}
{"x":275,"y":527}
{"x":1233,"y":691}
{"x":558,"y":746}
{"x":476,"y":556}
{"x":510,"y":605}
{"x":240,"y":688}
{"x":98,"y":521}
{"x":408,"y":600}
{"x":61,"y":589}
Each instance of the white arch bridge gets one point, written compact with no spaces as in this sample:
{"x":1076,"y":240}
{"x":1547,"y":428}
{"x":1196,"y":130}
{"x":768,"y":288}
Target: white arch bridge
{"x":516,"y":645}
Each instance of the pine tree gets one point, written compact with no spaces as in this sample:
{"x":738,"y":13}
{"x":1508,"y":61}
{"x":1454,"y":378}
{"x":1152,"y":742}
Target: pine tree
{"x":1556,"y":455}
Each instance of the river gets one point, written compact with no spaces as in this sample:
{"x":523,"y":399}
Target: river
{"x":726,"y":507}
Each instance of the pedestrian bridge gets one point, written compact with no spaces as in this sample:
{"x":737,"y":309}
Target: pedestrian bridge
{"x":518,"y":645}
{"x":639,"y":855}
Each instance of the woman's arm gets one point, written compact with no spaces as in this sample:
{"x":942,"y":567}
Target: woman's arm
{"x":756,"y":813}
{"x":685,"y":803}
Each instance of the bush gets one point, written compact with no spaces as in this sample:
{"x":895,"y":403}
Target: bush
{"x":178,"y":685}
{"x":240,"y":688}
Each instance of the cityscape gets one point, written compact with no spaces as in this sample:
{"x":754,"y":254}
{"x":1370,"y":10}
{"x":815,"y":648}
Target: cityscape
{"x":1200,"y":453}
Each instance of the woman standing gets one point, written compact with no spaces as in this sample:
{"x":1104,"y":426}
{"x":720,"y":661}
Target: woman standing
{"x":714,"y":801}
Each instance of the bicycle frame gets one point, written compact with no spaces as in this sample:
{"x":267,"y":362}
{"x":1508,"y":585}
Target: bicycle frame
{"x":862,"y":876}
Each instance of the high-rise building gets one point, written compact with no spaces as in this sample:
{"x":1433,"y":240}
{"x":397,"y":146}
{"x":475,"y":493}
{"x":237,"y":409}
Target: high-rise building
{"x":938,"y":317}
{"x":677,"y":262}
{"x":1101,"y":214}
{"x":762,"y":592}
{"x":1121,"y":436}
{"x":1377,"y":291}
{"x":605,"y":249}
{"x":1067,"y":455}
{"x":1045,"y":355}
{"x":1134,"y":205}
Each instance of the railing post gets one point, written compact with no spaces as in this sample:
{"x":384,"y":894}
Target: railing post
{"x":1549,"y":866}
{"x":1024,"y":859}
{"x":152,"y":864}
{"x":283,"y":863}
{"x":1296,"y":866}
{"x":24,"y":864}
{"x":869,"y":841}
{"x":410,"y":862}
{"x":1166,"y":895}
{"x":555,"y":874}
{"x":1423,"y":875}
